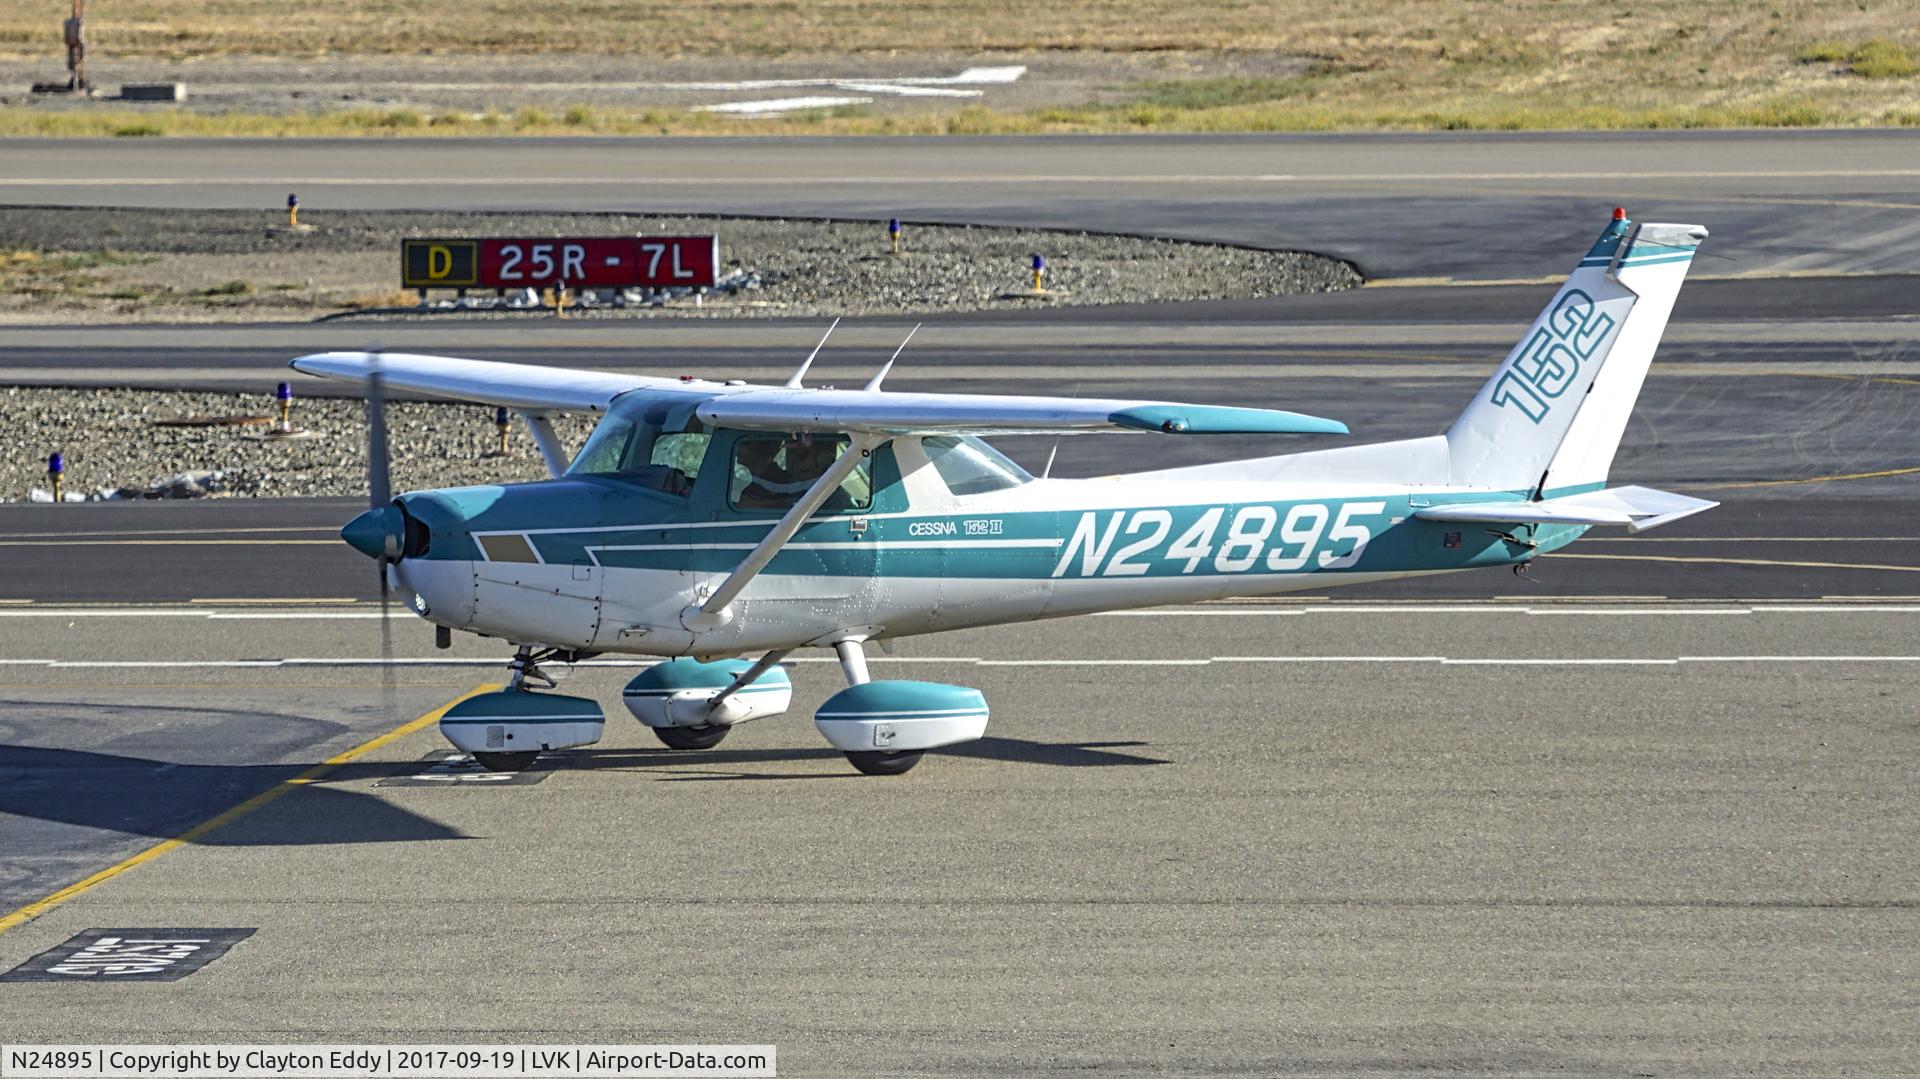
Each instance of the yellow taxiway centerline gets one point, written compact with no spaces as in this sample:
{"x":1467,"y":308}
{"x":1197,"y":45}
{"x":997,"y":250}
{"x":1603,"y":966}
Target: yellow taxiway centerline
{"x":41,"y":906}
{"x":1737,"y":561}
{"x":1810,"y":479}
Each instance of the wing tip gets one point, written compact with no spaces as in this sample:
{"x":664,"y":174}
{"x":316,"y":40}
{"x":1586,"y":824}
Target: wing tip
{"x":1222,"y":420}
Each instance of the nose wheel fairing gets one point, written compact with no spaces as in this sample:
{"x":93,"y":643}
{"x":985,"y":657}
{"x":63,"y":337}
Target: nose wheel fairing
{"x":515,"y":722}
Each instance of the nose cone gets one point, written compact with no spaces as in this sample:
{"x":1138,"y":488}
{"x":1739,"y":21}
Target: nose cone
{"x":377,"y":533}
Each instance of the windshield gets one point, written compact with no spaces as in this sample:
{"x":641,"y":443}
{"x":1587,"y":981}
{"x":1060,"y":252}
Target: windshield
{"x":970,"y":466}
{"x":660,"y":449}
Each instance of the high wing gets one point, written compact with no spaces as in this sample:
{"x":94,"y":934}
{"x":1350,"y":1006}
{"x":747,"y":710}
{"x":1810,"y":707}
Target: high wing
{"x":514,"y":385}
{"x":763,"y":408}
{"x":887,"y":413}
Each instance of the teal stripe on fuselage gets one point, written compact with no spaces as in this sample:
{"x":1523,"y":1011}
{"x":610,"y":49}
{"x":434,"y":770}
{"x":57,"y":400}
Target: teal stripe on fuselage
{"x":1147,"y":541}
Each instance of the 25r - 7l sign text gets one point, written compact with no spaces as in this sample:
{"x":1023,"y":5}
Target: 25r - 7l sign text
{"x":578,"y":262}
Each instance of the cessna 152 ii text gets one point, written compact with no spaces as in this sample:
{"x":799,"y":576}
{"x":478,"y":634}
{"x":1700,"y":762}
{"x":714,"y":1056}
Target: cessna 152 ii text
{"x":703,"y":521}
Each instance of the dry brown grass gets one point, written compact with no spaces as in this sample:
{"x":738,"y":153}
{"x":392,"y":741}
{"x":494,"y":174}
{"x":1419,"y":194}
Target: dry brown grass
{"x":398,"y":297}
{"x":1725,"y":34}
{"x":1382,"y":63}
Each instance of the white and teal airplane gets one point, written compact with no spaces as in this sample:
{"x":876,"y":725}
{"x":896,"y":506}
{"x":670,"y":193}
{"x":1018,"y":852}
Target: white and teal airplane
{"x":705,"y":521}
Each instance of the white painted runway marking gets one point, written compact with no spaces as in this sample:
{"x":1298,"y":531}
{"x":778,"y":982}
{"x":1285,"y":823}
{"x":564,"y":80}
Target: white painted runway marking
{"x":736,"y":180}
{"x":973,"y":76}
{"x":776,"y":106}
{"x":1306,"y":607}
{"x":975,"y":661}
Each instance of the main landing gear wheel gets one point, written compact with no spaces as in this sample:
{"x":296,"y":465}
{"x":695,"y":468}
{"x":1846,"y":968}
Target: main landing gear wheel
{"x":874,"y":763}
{"x":692,"y":737}
{"x":507,"y":762}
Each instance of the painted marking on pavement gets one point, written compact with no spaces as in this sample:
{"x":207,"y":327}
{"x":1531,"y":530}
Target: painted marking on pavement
{"x":1741,"y":561}
{"x":41,"y":906}
{"x":1840,"y":478}
{"x":961,"y":661}
{"x":171,"y":532}
{"x":776,"y":106}
{"x":737,"y":180}
{"x":173,"y":543}
{"x":1657,"y":606}
{"x":128,"y":955}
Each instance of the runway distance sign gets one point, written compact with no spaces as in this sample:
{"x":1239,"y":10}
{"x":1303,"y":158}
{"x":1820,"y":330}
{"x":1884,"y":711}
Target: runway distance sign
{"x":576,"y":262}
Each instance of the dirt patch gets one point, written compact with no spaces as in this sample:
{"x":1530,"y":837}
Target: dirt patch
{"x":86,"y":265}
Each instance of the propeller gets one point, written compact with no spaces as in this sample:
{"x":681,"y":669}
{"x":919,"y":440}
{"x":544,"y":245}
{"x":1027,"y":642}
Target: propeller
{"x":379,"y":476}
{"x":392,"y":523}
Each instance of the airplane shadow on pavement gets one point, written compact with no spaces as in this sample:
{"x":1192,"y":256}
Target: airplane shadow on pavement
{"x":131,"y":795}
{"x":138,"y":796}
{"x":710,"y":764}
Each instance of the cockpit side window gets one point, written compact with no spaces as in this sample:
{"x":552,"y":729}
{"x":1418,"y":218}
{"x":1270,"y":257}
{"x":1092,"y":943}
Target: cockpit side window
{"x":969,"y":466}
{"x":772,"y":472}
{"x":659,"y":449}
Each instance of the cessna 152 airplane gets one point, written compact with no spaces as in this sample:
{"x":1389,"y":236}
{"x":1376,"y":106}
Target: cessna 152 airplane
{"x":706,"y":521}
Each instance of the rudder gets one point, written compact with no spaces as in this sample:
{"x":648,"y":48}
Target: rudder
{"x":1554,"y":411}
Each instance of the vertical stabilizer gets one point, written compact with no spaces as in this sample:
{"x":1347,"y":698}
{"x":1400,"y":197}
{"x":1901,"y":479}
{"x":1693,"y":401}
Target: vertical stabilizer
{"x":1554,"y":411}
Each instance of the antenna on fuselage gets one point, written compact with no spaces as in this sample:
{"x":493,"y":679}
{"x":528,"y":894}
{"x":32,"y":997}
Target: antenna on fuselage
{"x":874,"y":382}
{"x":1047,"y":472}
{"x":793,"y":383}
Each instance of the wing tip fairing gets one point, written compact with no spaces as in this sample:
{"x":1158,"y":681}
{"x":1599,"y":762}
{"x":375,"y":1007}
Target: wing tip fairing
{"x":1222,"y":420}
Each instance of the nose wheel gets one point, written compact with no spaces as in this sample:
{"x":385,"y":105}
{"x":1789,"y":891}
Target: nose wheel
{"x":691,"y":737}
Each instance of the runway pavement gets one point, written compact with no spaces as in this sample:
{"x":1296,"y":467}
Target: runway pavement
{"x":1482,"y":206}
{"x":1283,"y":839}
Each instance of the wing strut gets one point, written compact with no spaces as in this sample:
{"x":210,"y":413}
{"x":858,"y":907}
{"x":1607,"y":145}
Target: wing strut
{"x":749,"y":676}
{"x":713,"y":613}
{"x":551,"y":449}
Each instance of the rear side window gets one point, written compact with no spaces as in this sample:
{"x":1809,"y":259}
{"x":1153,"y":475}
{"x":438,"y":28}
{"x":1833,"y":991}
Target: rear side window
{"x":969,"y":466}
{"x":772,"y":472}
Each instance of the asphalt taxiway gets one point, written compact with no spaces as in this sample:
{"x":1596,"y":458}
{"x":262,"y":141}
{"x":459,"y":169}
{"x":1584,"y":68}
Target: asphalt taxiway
{"x":1479,"y":206}
{"x":1569,"y":839}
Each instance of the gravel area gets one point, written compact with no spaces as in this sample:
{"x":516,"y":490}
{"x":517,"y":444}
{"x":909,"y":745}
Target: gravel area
{"x":109,"y":440}
{"x":122,"y":265}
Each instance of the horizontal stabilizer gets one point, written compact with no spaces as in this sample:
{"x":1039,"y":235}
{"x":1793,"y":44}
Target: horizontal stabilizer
{"x":1639,"y":508}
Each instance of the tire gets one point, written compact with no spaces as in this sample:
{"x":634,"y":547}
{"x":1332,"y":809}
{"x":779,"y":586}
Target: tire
{"x":692,"y":737}
{"x":874,"y":763}
{"x":507,"y":762}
